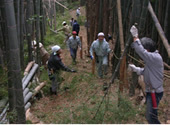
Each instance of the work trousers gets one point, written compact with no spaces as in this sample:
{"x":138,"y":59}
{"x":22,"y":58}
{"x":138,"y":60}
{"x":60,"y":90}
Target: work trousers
{"x":152,"y":114}
{"x":102,"y":64}
{"x":73,"y":53}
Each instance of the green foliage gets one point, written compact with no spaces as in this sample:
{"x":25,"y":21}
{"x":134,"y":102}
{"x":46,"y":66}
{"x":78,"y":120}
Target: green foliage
{"x":74,"y":5}
{"x":3,"y":83}
{"x":81,"y":20}
{"x":12,"y":116}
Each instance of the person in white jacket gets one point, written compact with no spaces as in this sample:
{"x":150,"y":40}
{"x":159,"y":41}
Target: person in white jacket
{"x":101,"y":49}
{"x":152,"y":72}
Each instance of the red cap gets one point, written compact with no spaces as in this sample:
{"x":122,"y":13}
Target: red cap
{"x":74,"y":33}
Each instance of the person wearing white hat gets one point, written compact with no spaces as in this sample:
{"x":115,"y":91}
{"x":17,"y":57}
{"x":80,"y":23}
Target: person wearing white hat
{"x":66,"y":29}
{"x":55,"y":64}
{"x":78,"y":12}
{"x":101,"y":49}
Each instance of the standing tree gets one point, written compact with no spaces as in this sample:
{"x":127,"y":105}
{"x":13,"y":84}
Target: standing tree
{"x":15,"y":91}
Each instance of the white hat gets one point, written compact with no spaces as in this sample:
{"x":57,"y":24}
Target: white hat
{"x":79,"y":8}
{"x":64,"y":22}
{"x":101,"y":34}
{"x":55,"y":49}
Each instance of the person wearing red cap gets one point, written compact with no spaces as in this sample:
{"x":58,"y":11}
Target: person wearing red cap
{"x":73,"y":43}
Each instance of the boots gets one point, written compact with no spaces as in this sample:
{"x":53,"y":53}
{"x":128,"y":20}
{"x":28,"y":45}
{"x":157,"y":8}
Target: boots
{"x":52,"y":93}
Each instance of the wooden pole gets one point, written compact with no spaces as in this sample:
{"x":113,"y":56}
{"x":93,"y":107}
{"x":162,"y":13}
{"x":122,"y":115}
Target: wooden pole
{"x":122,"y":66}
{"x":93,"y":64}
{"x":81,"y":51}
{"x":159,"y":29}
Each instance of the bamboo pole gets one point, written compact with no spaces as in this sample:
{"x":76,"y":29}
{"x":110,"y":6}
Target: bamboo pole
{"x":38,"y":88}
{"x":81,"y":51}
{"x":27,"y":97}
{"x":27,"y":106}
{"x":123,"y":63}
{"x":159,"y":29}
{"x":53,"y":31}
{"x":30,"y":75}
{"x":61,"y":5}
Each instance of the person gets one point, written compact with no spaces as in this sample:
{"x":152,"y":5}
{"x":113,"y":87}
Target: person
{"x":54,"y":66}
{"x":73,"y":43}
{"x":76,"y":27}
{"x":78,"y":12}
{"x":71,"y":22}
{"x":101,"y":49}
{"x":66,"y":30}
{"x":152,"y":72}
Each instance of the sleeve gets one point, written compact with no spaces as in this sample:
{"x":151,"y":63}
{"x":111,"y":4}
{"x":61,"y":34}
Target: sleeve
{"x":60,"y":29}
{"x":63,"y":67}
{"x":91,"y":49}
{"x":108,"y":48}
{"x":143,"y":53}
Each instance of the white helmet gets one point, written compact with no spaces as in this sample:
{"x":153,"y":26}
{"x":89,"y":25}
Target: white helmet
{"x":55,"y":49}
{"x":101,"y":34}
{"x":64,"y":22}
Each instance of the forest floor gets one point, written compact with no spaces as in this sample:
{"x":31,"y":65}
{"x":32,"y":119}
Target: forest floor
{"x":79,"y":103}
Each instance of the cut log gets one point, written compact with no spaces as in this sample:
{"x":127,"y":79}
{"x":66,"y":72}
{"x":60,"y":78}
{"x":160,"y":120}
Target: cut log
{"x":159,"y":29}
{"x":27,"y":97}
{"x":25,"y":92}
{"x":38,"y":88}
{"x":29,"y":66}
{"x":27,"y":106}
{"x":30,"y":75}
{"x":4,"y":112}
{"x":3,"y":103}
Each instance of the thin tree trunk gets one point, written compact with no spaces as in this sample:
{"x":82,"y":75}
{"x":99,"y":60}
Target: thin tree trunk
{"x":121,"y":36}
{"x":22,"y":34}
{"x":37,"y":31}
{"x":159,"y":29}
{"x":29,"y":29}
{"x":55,"y":20}
{"x":15,"y":91}
{"x":42,"y":23}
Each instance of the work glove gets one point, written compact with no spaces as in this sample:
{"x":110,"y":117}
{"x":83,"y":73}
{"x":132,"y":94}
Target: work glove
{"x":134,"y":31}
{"x":131,"y":67}
{"x":91,"y":57}
{"x":74,"y":71}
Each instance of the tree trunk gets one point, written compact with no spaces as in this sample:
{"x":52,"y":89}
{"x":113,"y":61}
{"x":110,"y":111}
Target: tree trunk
{"x":15,"y":91}
{"x":22,"y":33}
{"x":29,"y":29}
{"x":37,"y":30}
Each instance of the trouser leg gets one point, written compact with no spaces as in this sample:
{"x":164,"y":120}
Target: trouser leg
{"x":152,"y":114}
{"x":99,"y":66}
{"x":105,"y":65}
{"x":73,"y":53}
{"x":54,"y":85}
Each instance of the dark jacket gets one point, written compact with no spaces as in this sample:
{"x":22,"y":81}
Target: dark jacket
{"x":55,"y":64}
{"x":76,"y":27}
